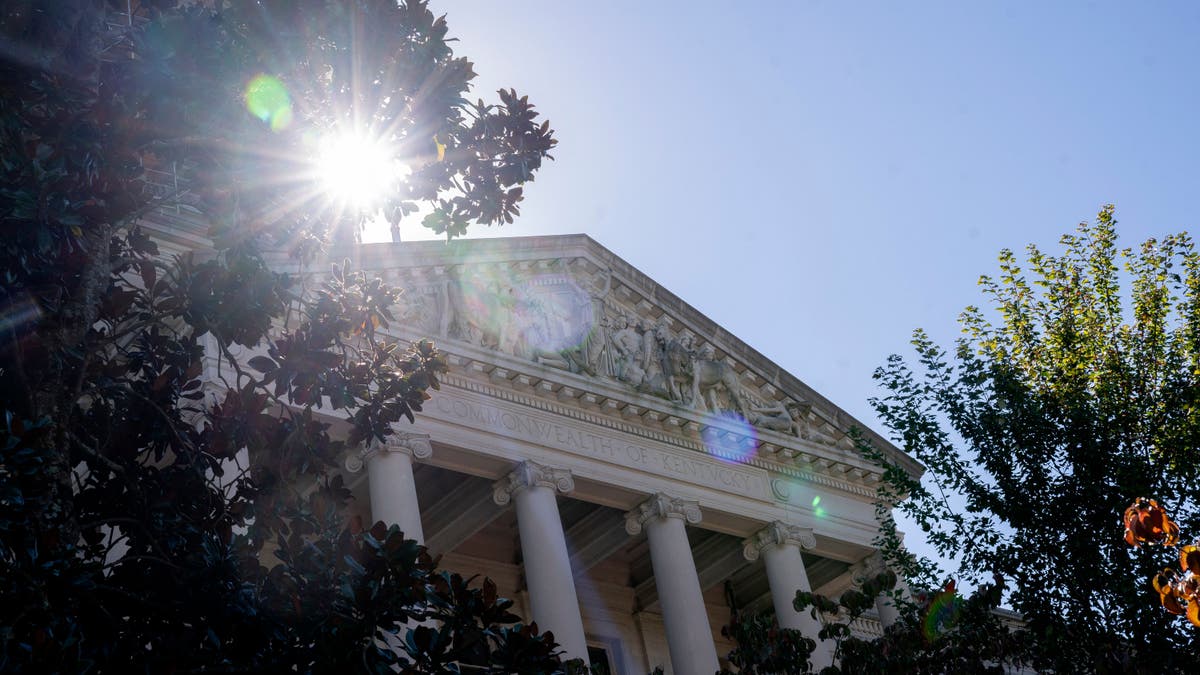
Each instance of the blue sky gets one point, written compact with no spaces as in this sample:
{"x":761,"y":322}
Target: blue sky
{"x":823,"y":177}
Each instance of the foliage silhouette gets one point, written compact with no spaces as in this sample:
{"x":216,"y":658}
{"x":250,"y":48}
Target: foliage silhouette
{"x":166,"y":505}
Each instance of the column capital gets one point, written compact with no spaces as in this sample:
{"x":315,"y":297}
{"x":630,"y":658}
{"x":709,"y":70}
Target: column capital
{"x":868,"y":567}
{"x":778,"y":533}
{"x":416,"y":446}
{"x":531,"y":474}
{"x":662,"y":506}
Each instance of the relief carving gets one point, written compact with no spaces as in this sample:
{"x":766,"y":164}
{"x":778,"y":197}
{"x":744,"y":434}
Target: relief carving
{"x":578,"y":326}
{"x":627,"y":346}
{"x":709,"y":375}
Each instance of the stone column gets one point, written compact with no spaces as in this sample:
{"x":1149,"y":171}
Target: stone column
{"x":779,"y":545}
{"x":544,"y":551}
{"x":689,"y":636}
{"x":884,"y":606}
{"x":390,"y":480}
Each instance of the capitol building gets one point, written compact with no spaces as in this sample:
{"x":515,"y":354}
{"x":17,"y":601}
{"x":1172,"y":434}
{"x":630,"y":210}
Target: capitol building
{"x":622,"y":467}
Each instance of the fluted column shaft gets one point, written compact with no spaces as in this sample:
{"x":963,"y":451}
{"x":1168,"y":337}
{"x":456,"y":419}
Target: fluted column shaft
{"x":689,"y":635}
{"x":390,"y":480}
{"x":779,"y":545}
{"x":548,"y":577}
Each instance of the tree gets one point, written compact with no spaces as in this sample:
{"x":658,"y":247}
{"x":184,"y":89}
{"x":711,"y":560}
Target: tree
{"x":154,"y":516}
{"x":1056,"y":409}
{"x":1060,"y":405}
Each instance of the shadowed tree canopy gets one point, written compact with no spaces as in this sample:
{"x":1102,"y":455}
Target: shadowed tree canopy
{"x":1072,"y":392}
{"x":135,"y":533}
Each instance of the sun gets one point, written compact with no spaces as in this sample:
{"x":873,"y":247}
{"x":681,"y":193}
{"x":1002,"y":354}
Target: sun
{"x":356,"y":170}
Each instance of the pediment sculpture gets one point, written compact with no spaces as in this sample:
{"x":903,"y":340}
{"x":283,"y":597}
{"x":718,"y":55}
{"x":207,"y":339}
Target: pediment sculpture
{"x":552,"y":318}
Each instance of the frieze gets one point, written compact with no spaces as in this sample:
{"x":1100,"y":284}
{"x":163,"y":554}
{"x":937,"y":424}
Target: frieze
{"x":697,"y":469}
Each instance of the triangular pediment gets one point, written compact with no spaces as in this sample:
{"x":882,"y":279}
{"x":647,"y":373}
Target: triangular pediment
{"x":562,"y":320}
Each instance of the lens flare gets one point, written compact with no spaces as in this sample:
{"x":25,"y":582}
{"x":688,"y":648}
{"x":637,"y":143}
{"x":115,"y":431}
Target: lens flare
{"x":19,"y":314}
{"x":728,"y":435}
{"x":267,"y":99}
{"x":548,"y":317}
{"x":942,"y":614}
{"x":818,"y":510}
{"x":556,"y":314}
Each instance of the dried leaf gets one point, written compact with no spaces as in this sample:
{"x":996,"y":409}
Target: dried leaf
{"x":1189,"y":559}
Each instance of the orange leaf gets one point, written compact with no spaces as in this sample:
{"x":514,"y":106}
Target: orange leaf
{"x":1193,"y":613}
{"x":1172,"y":535}
{"x":1189,"y":558}
{"x":1162,"y":582}
{"x":1171,"y":604}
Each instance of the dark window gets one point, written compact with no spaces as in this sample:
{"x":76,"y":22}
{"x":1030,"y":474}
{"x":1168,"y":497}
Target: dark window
{"x":599,"y":659}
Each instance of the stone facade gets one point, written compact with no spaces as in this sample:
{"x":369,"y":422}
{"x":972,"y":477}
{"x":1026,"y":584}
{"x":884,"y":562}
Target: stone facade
{"x":619,"y":464}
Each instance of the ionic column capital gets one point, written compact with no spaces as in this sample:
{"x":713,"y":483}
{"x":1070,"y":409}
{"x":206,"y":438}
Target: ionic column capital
{"x":662,"y":506}
{"x":866,"y":568}
{"x":778,"y":533}
{"x":416,"y":446}
{"x":531,"y":474}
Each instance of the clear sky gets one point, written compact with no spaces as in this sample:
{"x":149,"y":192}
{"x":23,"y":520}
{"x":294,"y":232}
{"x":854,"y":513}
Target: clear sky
{"x":821,"y":178}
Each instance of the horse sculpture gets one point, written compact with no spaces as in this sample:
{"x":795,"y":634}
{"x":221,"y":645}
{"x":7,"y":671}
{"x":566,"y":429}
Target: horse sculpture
{"x":707,"y":375}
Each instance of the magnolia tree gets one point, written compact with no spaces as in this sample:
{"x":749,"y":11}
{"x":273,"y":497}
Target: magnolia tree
{"x":134,"y":533}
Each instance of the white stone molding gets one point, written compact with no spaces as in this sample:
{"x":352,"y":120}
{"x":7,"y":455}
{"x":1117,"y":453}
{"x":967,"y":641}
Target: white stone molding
{"x":778,"y":533}
{"x":416,"y":446}
{"x":531,"y":474}
{"x":781,"y":490}
{"x":662,"y":506}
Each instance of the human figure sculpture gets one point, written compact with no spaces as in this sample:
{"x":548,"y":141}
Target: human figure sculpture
{"x":678,"y":360}
{"x":777,"y":416}
{"x":628,"y":347}
{"x":597,"y":349}
{"x":656,"y":345}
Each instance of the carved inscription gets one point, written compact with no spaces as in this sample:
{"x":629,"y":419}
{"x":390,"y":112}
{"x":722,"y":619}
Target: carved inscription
{"x":698,"y":470}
